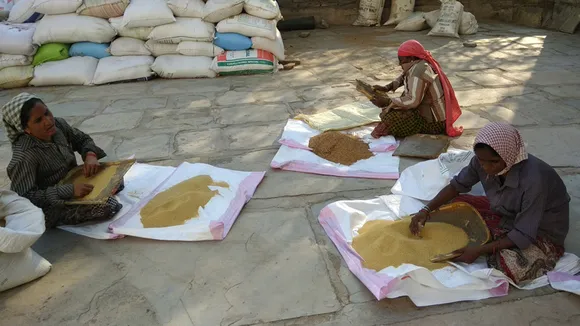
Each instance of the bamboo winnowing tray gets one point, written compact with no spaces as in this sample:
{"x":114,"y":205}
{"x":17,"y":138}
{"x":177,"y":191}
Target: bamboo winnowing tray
{"x":105,"y":192}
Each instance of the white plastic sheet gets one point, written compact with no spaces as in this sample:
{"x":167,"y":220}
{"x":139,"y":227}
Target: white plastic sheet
{"x":215,"y":219}
{"x":565,"y":282}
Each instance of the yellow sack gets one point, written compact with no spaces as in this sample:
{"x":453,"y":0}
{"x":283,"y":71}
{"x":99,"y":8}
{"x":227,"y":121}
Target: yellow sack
{"x":343,"y":117}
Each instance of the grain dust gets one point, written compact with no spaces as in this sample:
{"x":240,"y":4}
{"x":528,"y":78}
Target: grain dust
{"x":179,"y":203}
{"x":390,"y":243}
{"x":339,"y":148}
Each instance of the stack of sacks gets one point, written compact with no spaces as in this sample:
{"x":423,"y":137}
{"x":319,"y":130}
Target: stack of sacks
{"x":16,"y":51}
{"x":191,"y":39}
{"x":56,"y":31}
{"x":131,"y":58}
{"x":258,"y":23}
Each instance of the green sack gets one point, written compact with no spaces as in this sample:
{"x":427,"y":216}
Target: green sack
{"x":50,"y":52}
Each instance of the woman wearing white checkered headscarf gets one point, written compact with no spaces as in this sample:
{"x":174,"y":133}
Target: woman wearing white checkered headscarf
{"x":526,"y":207}
{"x":43,"y":150}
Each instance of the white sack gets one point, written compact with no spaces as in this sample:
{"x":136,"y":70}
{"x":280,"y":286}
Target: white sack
{"x":17,"y":38}
{"x":114,"y":69}
{"x":15,"y":77}
{"x":159,"y":49}
{"x":103,"y":8}
{"x":141,"y":33}
{"x":72,"y":28}
{"x":400,"y":10}
{"x":468,"y":25}
{"x":267,"y":9}
{"x":56,"y":7}
{"x":187,"y":8}
{"x":245,"y":62}
{"x":22,"y":11}
{"x":215,"y":218}
{"x":6,"y":5}
{"x":20,"y":268}
{"x":218,"y":10}
{"x":184,"y":29}
{"x":128,"y":46}
{"x":181,"y":66}
{"x":448,"y":23}
{"x":565,"y":282}
{"x":414,"y":22}
{"x":431,"y":17}
{"x":204,"y":49}
{"x":24,"y":225}
{"x":249,"y":26}
{"x":12,"y":60}
{"x":369,"y":13}
{"x":147,"y":13}
{"x":276,"y":46}
{"x":71,"y":71}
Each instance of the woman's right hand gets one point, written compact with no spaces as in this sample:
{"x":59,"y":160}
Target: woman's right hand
{"x":417,"y":222}
{"x":82,"y":189}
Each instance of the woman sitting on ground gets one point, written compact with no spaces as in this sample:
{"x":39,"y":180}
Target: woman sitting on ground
{"x":43,"y":153}
{"x":428,"y":104}
{"x":526,"y":206}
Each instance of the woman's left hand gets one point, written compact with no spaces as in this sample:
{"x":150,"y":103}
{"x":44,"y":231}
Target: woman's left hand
{"x":468,"y":255}
{"x":92,"y":165}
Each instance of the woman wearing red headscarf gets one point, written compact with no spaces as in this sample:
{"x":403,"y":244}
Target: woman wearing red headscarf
{"x":428,"y":104}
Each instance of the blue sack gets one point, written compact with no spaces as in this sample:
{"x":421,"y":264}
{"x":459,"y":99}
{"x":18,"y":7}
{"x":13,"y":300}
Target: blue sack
{"x":89,"y":49}
{"x":232,"y":41}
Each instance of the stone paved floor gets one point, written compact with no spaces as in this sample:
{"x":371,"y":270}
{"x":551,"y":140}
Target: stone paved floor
{"x":277,"y":266}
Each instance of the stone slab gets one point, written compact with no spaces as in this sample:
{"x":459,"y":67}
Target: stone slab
{"x":179,"y":119}
{"x":557,"y":146}
{"x":194,"y":143}
{"x":471,"y":120}
{"x":111,"y":122}
{"x":572,"y":241}
{"x":137,"y":104}
{"x":542,"y":109}
{"x":268,"y":251}
{"x":254,"y":137}
{"x":547,"y":78}
{"x":486,"y":79}
{"x":490,"y":96}
{"x":501,"y":113}
{"x":191,"y":101}
{"x":189,"y":86}
{"x":236,"y":97}
{"x":72,"y":108}
{"x":146,"y":148}
{"x":97,"y":92}
{"x":564,"y":90}
{"x":248,"y":113}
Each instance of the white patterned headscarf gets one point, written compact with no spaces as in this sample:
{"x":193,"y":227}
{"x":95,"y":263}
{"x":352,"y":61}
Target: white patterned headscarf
{"x":506,"y":141}
{"x":11,"y":115}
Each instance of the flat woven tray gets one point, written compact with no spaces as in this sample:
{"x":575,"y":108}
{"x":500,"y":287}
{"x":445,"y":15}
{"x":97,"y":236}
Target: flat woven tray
{"x":423,"y":146}
{"x":105,"y":192}
{"x":464,"y":216}
{"x":370,"y":92}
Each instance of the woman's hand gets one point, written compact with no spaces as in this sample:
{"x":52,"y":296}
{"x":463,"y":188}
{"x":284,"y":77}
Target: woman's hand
{"x":381,"y":102}
{"x":81,"y":190}
{"x":92,"y":165}
{"x":468,"y":255}
{"x":417,"y":222}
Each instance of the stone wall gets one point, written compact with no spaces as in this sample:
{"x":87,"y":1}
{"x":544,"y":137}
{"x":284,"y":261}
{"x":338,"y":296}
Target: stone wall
{"x":535,"y":13}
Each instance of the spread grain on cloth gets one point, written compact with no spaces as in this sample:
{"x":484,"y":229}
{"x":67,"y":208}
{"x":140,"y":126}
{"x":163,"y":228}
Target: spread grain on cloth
{"x":179,"y":203}
{"x":100,"y":181}
{"x":339,"y":148}
{"x":390,"y":243}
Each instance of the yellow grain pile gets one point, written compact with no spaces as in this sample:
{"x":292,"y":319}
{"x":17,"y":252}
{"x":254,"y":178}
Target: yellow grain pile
{"x":339,"y":148}
{"x":390,"y":243}
{"x":179,"y":203}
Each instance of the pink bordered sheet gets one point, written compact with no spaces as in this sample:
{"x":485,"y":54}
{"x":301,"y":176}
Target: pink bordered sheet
{"x":215,"y":218}
{"x":458,"y":282}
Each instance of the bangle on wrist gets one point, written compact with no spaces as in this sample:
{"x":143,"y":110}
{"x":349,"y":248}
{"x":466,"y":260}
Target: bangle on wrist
{"x":90,"y":154}
{"x":427,"y":211}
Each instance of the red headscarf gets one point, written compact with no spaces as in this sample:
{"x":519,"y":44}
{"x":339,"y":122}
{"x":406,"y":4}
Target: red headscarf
{"x":413,"y":48}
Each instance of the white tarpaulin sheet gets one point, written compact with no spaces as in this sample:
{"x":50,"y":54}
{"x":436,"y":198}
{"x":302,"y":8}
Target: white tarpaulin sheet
{"x":458,"y":282}
{"x":140,"y":181}
{"x":215,"y":218}
{"x":565,"y":282}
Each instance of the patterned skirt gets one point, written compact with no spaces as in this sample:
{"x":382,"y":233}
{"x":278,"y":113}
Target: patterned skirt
{"x":77,"y":214}
{"x":404,"y":123}
{"x":519,"y":265}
